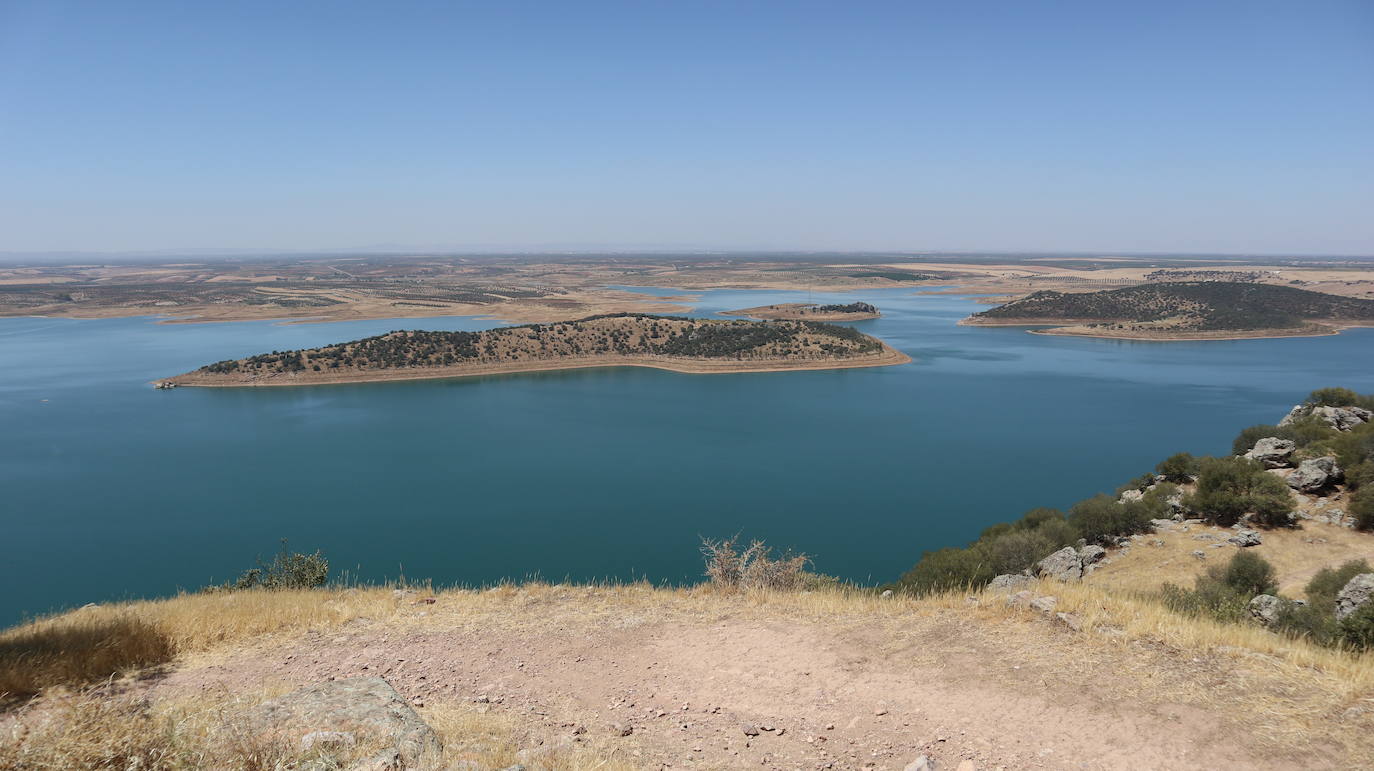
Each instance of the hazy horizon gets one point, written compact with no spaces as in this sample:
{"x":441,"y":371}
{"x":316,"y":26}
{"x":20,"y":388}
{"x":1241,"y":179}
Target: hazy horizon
{"x":1225,"y":128}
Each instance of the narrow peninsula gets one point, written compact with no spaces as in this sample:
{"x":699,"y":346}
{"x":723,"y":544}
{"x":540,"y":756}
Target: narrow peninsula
{"x":623,"y":339}
{"x":858,"y":311}
{"x":1191,"y":310}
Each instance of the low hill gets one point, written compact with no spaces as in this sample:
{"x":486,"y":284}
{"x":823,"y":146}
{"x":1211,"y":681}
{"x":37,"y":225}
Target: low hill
{"x":1192,"y":309}
{"x":666,"y":342}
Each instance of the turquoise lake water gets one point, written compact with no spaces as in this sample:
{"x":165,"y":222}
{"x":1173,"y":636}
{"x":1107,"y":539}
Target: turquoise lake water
{"x":109,"y":489}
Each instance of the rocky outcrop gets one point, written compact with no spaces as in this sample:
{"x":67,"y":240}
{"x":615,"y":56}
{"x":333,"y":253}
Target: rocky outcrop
{"x":1009,"y":581}
{"x":1131,"y":496}
{"x":1273,"y":452}
{"x":340,"y":713}
{"x":1265,"y":608}
{"x":1063,"y":565}
{"x":1357,"y":592}
{"x":1339,"y":418}
{"x":1315,"y":474}
{"x":1069,"y":563}
{"x":1245,"y":538}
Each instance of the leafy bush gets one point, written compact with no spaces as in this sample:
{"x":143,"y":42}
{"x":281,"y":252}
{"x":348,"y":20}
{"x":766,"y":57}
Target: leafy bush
{"x":1247,"y":573}
{"x":1229,"y":488}
{"x":753,"y":567}
{"x":946,"y":569}
{"x":1323,"y":587}
{"x":1317,"y":619}
{"x":1357,"y":629}
{"x":1224,"y":592}
{"x":1339,"y":397}
{"x":1360,"y":475}
{"x":1179,"y":467}
{"x":286,"y":571}
{"x":1101,"y":519}
{"x":1008,"y":547}
{"x":1362,"y":507}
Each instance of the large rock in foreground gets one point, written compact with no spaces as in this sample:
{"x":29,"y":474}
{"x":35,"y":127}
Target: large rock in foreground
{"x":1316,"y":474}
{"x":1358,"y":591}
{"x":1273,"y":452}
{"x":360,"y":708}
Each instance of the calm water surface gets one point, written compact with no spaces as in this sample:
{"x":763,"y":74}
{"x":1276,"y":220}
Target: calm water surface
{"x":109,"y":489}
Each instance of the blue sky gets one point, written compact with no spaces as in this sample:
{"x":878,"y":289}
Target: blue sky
{"x":1243,"y":127}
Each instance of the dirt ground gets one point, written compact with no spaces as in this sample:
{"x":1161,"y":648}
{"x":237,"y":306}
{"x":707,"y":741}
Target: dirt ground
{"x":691,"y":680}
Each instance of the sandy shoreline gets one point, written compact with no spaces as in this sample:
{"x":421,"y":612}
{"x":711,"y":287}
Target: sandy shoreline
{"x":888,"y":357}
{"x":1072,"y":328}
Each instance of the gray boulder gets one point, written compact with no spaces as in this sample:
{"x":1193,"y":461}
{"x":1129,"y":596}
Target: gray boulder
{"x":1315,"y":474}
{"x":1342,"y":418}
{"x":1063,"y":565}
{"x":356,"y":707}
{"x":1273,"y":452}
{"x":1357,"y":592}
{"x":1090,"y":555}
{"x":1131,"y":496}
{"x":1339,"y":418}
{"x":1009,"y":581}
{"x":1245,"y":538}
{"x":1265,"y":608}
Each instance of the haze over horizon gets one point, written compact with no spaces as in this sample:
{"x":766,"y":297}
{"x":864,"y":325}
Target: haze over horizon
{"x":1205,"y":128}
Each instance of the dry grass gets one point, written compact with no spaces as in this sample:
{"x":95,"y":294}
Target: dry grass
{"x":98,"y":642}
{"x":1287,"y":693}
{"x":1296,"y":555}
{"x":77,"y":648}
{"x":106,"y":729}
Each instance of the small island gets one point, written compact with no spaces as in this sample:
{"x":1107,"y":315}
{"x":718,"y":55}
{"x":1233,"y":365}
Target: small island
{"x":1191,"y":310}
{"x":612,"y":340}
{"x":857,"y":311}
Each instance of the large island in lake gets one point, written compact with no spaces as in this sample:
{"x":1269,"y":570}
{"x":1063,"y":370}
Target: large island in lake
{"x":623,"y":339}
{"x":1189,"y":310}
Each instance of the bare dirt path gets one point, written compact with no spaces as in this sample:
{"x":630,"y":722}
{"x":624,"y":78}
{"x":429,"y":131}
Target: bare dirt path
{"x":724,"y":685}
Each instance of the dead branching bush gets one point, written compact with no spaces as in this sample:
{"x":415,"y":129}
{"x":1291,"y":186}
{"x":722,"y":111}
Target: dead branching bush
{"x":753,"y":567}
{"x":77,"y":648}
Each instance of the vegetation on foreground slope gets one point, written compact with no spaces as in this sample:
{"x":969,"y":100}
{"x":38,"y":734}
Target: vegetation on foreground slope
{"x":1232,"y":492}
{"x":1198,"y":306}
{"x":616,"y":336}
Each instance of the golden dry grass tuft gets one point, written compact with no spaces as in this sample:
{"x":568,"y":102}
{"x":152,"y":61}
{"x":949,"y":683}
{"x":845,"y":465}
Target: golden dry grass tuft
{"x":78,"y":648}
{"x":98,"y":642}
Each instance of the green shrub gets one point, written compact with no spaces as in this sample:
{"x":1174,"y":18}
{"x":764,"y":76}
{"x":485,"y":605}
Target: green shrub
{"x":1362,"y":507}
{"x":286,"y":571}
{"x":1179,"y":467}
{"x":1357,"y":629}
{"x":1306,"y":621}
{"x":1323,"y":587}
{"x":945,"y":569}
{"x":1360,"y":475}
{"x":1339,"y":397}
{"x":1224,"y":592}
{"x":1101,"y":519}
{"x":1248,"y":574}
{"x":1229,"y":488}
